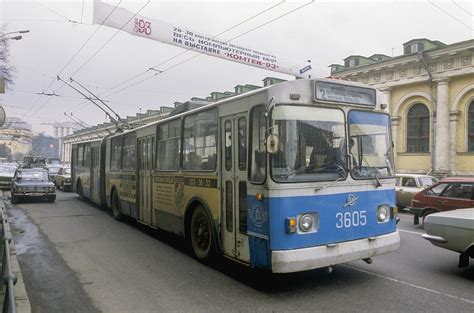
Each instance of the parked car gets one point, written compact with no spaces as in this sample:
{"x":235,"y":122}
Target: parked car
{"x":452,"y":230}
{"x":448,"y":194}
{"x":32,"y":183}
{"x":6,"y":175}
{"x":63,"y":179}
{"x":407,"y":185}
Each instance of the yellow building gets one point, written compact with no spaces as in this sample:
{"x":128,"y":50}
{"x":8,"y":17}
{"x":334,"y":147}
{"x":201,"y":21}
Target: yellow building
{"x":430,"y":91}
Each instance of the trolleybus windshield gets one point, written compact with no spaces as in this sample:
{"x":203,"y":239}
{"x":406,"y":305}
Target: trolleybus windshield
{"x":370,"y":145}
{"x":310,"y":144}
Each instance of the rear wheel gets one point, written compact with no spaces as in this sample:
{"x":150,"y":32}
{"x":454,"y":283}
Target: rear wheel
{"x":201,"y":236}
{"x":51,"y":198}
{"x":116,"y":212}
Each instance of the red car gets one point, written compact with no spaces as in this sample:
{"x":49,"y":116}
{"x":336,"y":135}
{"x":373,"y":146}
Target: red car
{"x":448,"y":194}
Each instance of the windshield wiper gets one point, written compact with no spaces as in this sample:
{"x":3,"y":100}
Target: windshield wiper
{"x":375,"y":171}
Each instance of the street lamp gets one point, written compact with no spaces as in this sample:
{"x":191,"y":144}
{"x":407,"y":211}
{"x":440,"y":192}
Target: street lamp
{"x":16,"y":32}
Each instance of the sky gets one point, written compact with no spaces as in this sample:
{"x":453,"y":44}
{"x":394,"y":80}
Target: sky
{"x":62,"y":41}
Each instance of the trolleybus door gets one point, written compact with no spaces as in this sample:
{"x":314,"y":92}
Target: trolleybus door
{"x":145,"y":178}
{"x":234,"y":186}
{"x":95,"y":174}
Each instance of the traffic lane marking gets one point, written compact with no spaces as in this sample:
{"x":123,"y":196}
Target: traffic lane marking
{"x":411,"y":231}
{"x":410,"y":284}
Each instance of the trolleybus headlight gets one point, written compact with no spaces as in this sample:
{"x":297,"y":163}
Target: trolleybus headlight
{"x":383,"y":213}
{"x":306,"y":222}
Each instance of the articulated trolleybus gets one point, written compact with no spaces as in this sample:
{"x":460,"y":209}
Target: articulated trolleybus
{"x":291,"y":177}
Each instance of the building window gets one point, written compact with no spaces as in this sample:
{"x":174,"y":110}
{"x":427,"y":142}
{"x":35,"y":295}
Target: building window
{"x":470,"y":130}
{"x":418,"y":129}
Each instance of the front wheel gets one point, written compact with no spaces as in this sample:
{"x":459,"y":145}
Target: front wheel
{"x":201,"y":236}
{"x":116,"y":212}
{"x":51,"y":198}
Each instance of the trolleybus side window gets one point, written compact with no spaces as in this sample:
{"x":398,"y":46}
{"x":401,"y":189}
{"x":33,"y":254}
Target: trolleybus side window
{"x":129,"y":152}
{"x":242,"y":143}
{"x":115,"y":153}
{"x":74,"y":157}
{"x":169,"y":146}
{"x":80,"y":155}
{"x":228,"y":146}
{"x":87,"y":155}
{"x":258,"y":156}
{"x":200,"y":138}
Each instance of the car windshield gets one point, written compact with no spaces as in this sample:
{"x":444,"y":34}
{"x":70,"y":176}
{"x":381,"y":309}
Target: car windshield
{"x":426,"y":181}
{"x":33,"y":176}
{"x":53,"y":170}
{"x":67,"y":171}
{"x":370,"y":145}
{"x":5,"y":169}
{"x":310,"y":144}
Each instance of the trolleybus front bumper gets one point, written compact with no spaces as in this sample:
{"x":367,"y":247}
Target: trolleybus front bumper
{"x":286,"y":261}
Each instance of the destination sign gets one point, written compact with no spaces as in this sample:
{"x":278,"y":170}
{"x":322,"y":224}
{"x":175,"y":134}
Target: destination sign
{"x":344,"y":94}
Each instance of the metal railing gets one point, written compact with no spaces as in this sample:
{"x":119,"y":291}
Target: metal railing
{"x":8,"y":278}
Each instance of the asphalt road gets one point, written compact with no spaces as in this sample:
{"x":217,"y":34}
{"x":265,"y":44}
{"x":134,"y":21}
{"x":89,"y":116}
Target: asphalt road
{"x":77,"y":258}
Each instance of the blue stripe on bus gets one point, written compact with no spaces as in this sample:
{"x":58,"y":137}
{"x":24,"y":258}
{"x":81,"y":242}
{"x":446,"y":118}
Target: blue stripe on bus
{"x":267,"y":228}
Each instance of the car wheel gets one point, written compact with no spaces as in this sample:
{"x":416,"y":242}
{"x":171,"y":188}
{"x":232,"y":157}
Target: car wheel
{"x":116,"y":212}
{"x":15,"y":199}
{"x":51,"y":198}
{"x":201,"y":235}
{"x":425,"y":214}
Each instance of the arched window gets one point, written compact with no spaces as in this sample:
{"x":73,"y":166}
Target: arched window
{"x":470,"y":127}
{"x":418,"y":128}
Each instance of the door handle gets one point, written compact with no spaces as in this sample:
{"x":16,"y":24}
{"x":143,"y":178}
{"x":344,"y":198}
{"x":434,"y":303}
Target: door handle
{"x":442,"y":201}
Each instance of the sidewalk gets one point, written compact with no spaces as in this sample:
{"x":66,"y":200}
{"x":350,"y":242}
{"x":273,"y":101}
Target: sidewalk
{"x":21,"y":297}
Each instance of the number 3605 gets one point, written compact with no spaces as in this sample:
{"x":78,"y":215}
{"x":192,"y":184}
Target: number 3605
{"x":351,"y":219}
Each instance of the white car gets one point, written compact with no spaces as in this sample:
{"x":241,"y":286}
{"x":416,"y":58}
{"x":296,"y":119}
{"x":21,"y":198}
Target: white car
{"x":407,"y":185}
{"x":452,"y":230}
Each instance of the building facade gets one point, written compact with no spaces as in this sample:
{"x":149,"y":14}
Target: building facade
{"x":16,"y":135}
{"x":430,"y":91}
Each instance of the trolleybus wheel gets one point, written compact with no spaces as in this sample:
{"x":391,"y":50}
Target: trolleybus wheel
{"x":116,"y":213}
{"x":201,"y":237}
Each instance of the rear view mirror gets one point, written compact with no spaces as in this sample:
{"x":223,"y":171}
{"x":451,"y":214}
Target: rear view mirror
{"x":272,"y":143}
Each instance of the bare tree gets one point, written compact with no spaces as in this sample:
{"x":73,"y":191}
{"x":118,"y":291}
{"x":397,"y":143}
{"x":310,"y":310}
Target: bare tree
{"x":6,"y":71}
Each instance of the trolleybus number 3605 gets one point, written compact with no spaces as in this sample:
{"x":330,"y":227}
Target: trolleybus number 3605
{"x":350,"y":219}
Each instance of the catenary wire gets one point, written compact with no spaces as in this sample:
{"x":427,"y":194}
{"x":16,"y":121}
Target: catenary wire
{"x":81,"y":105}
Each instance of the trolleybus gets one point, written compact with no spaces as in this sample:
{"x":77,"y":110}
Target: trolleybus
{"x":291,"y":177}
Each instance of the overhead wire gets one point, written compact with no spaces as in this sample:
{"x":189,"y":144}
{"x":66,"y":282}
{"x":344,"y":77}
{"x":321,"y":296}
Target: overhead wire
{"x":462,"y":8}
{"x":200,"y":53}
{"x":191,"y":49}
{"x":451,"y":15}
{"x":81,"y":105}
{"x":72,"y":58}
{"x":110,"y":39}
{"x":54,"y":12}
